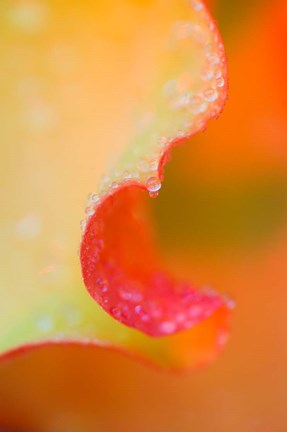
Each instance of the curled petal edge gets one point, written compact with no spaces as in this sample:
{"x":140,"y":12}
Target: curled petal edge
{"x":121,"y":267}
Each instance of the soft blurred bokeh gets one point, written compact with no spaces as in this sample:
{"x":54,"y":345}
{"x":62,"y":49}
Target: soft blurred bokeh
{"x":221,"y":219}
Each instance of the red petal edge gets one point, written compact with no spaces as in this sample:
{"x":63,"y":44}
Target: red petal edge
{"x":123,"y":273}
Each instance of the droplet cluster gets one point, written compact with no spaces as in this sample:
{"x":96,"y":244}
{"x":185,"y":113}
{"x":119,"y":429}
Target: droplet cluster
{"x":158,"y":307}
{"x":146,"y":174}
{"x":189,"y":108}
{"x":199,"y":106}
{"x":122,"y":275}
{"x":135,"y":292}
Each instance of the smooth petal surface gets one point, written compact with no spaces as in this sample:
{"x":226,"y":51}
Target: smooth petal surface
{"x":82,"y":84}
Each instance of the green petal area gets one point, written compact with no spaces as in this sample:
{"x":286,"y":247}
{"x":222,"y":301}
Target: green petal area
{"x":81,"y":83}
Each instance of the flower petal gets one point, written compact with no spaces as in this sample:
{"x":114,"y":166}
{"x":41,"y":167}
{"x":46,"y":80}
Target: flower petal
{"x":69,"y":79}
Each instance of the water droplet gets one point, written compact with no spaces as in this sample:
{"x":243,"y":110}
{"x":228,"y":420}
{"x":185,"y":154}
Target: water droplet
{"x":180,"y":318}
{"x":90,"y":211}
{"x":169,"y":88}
{"x":220,"y":82}
{"x":104,"y":288}
{"x":183,"y":29}
{"x":213,"y":59}
{"x":202,"y":107}
{"x":153,"y":184}
{"x":138,"y":309}
{"x":181,"y":102}
{"x":163,"y":142}
{"x":153,"y":165}
{"x":116,"y":313}
{"x":153,"y":194}
{"x":197,"y":105}
{"x":127,"y":175}
{"x":142,"y":314}
{"x":125,"y":295}
{"x":168,"y":327}
{"x":83,"y":224}
{"x":197,"y":5}
{"x":211,"y":25}
{"x":210,"y":95}
{"x":137,"y":297}
{"x":29,"y":226}
{"x":145,"y":317}
{"x":105,"y":180}
{"x":93,"y":198}
{"x":58,"y":337}
{"x":45,"y":324}
{"x":72,"y":316}
{"x":114,"y":185}
{"x":195,"y":311}
{"x":207,"y":74}
{"x":143,"y":166}
{"x":218,"y":73}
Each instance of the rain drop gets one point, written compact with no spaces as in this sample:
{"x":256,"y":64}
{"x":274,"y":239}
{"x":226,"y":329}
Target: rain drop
{"x":210,"y":95}
{"x":153,"y":185}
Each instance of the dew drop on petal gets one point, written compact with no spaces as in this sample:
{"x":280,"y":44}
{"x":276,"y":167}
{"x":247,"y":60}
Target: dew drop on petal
{"x":153,"y":185}
{"x":127,"y":175}
{"x":93,"y":198}
{"x":29,"y":226}
{"x":138,"y":309}
{"x":218,"y":73}
{"x":115,"y":312}
{"x":220,"y":82}
{"x":213,"y":59}
{"x":90,"y":211}
{"x":210,"y":95}
{"x":197,"y":4}
{"x":153,"y":165}
{"x":45,"y":324}
{"x":114,"y":185}
{"x":143,"y":166}
{"x":126,"y":295}
{"x":104,"y":288}
{"x":195,"y":311}
{"x":168,"y":327}
{"x":207,"y":74}
{"x":163,"y":142}
{"x":83,"y":224}
{"x":153,"y":194}
{"x":180,"y":318}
